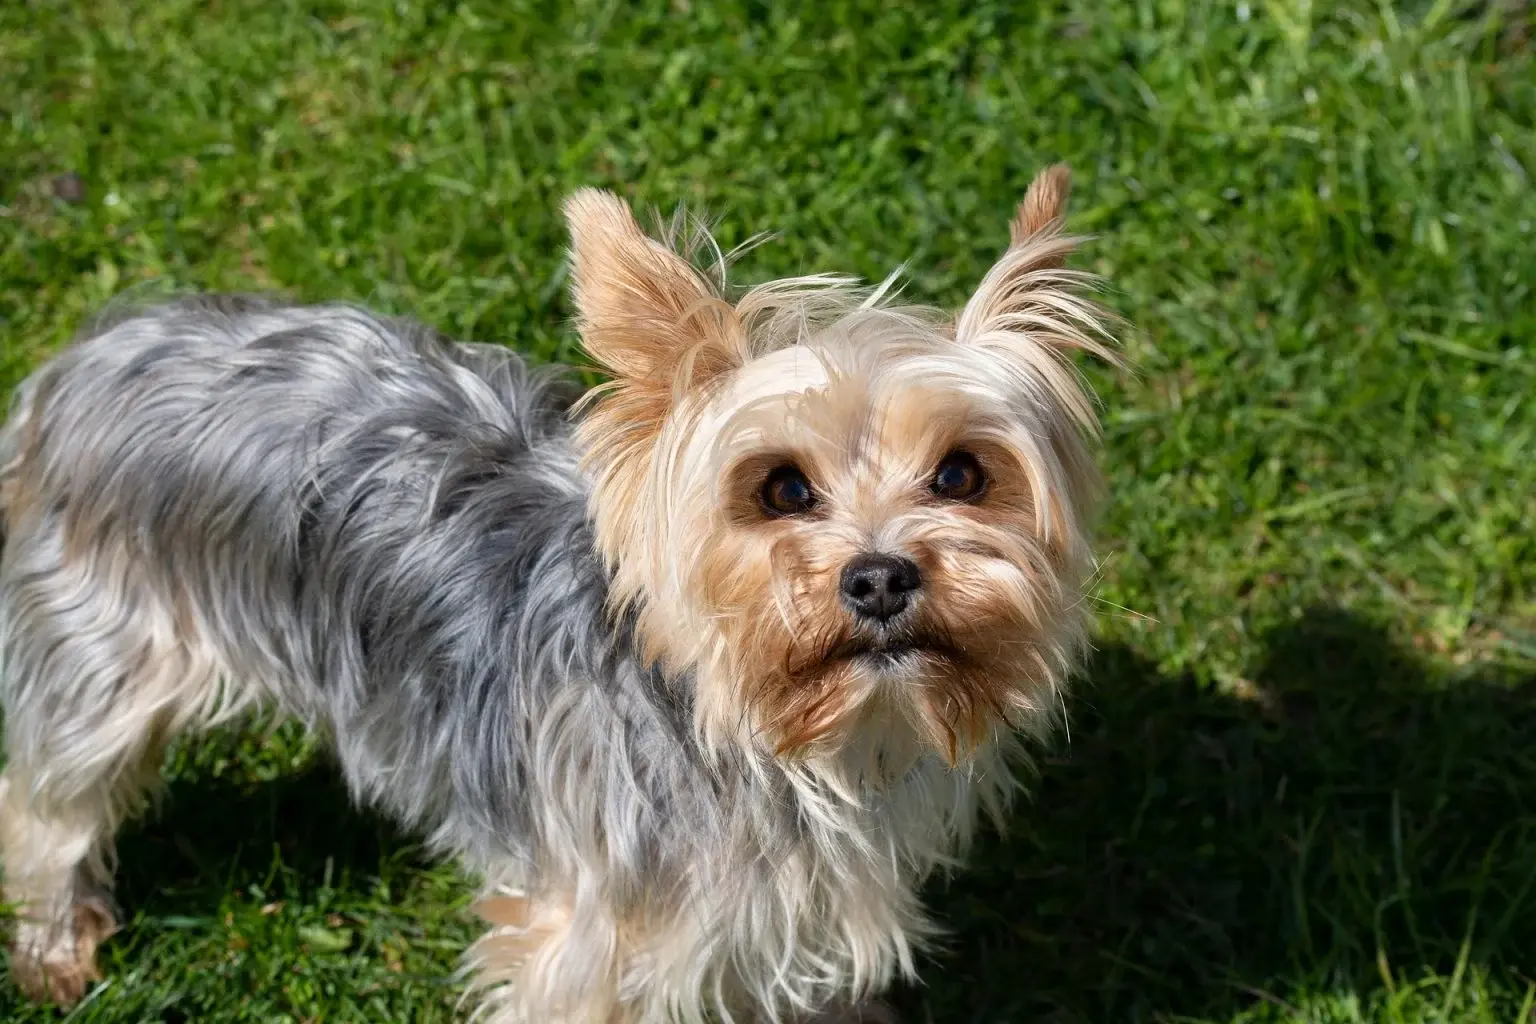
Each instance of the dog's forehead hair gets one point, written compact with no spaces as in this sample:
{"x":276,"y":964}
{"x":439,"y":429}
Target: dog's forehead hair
{"x":861,"y":410}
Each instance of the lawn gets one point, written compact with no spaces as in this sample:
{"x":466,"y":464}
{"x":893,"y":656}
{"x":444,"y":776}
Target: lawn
{"x":1300,"y":781}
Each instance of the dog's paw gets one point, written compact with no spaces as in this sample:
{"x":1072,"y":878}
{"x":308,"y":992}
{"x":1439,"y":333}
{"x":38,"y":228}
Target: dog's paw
{"x":59,"y":965}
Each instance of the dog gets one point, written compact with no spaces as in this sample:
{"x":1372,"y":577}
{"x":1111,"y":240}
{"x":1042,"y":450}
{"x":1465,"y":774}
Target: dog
{"x":702,"y":673}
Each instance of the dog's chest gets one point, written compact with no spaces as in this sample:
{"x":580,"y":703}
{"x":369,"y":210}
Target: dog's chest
{"x":834,"y":902}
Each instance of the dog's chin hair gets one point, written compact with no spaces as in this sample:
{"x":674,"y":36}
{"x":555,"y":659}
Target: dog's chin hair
{"x":868,"y":715}
{"x":586,"y":662}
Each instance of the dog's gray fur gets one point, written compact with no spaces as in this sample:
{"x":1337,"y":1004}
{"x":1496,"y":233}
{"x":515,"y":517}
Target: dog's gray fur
{"x":383,"y":530}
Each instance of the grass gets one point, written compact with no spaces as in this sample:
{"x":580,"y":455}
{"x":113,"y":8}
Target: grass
{"x":1300,"y":783}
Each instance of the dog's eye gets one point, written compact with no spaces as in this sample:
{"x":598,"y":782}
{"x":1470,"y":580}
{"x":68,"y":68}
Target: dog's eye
{"x":959,"y":477}
{"x":787,"y":492}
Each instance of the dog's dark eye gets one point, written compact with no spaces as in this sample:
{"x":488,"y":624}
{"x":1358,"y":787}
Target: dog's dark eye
{"x":787,"y":492}
{"x":959,"y":477}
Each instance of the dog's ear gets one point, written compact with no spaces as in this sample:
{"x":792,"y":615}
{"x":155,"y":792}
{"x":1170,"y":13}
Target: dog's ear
{"x":645,"y":314}
{"x":663,"y":331}
{"x":1029,"y":303}
{"x":1030,"y":313}
{"x":1030,"y":309}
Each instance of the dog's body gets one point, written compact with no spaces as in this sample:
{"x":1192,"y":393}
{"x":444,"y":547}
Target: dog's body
{"x":401,"y":541}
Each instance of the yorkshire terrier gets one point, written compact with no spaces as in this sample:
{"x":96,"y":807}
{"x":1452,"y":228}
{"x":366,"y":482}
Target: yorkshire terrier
{"x":702,"y":674}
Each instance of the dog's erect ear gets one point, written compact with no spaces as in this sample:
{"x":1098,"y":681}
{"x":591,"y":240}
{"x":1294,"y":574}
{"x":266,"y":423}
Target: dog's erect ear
{"x":1029,"y":295}
{"x":645,"y":315}
{"x":663,"y":331}
{"x":1030,"y":309}
{"x":1028,"y":315}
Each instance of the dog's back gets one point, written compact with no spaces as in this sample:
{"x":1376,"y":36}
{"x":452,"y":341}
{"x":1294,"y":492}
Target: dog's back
{"x":234,"y":401}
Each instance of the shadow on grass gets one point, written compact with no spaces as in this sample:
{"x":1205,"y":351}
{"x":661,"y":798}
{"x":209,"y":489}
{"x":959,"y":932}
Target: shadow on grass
{"x":1197,"y":855}
{"x":280,"y":839}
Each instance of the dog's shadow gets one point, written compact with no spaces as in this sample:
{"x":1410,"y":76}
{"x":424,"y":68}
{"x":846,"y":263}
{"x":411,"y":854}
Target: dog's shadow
{"x":1350,"y":816}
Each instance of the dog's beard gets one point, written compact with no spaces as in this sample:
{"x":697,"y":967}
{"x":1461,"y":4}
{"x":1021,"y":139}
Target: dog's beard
{"x":946,"y":687}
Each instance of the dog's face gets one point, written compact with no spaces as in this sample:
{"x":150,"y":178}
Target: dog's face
{"x":858,"y":526}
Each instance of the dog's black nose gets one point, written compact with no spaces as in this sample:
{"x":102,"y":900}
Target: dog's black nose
{"x":878,"y":586}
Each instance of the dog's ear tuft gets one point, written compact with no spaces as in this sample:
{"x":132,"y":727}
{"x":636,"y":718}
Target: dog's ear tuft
{"x":1044,"y":207}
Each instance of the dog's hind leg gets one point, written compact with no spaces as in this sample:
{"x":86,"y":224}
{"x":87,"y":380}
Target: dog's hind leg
{"x":96,"y":677}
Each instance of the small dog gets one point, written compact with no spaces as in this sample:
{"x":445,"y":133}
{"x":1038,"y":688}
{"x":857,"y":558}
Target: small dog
{"x":702,"y":681}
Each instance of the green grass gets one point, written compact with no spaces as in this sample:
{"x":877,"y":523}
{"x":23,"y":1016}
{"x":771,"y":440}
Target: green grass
{"x":1301,"y":782}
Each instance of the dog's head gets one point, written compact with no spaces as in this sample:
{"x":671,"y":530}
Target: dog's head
{"x":851,"y":522}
